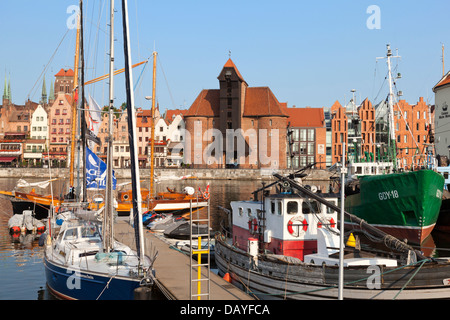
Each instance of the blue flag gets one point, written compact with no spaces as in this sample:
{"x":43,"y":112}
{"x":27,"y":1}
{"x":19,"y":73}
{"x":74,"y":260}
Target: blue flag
{"x":96,"y":172}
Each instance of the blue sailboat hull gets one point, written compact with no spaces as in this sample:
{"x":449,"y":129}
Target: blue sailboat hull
{"x":71,"y":284}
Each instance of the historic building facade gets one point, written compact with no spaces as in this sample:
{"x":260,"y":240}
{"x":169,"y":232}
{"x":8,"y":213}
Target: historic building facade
{"x":236,"y":126}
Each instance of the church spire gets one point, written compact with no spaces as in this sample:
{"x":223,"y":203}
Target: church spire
{"x":5,"y":90}
{"x":51,"y":96}
{"x":44,"y":93}
{"x":9,"y":89}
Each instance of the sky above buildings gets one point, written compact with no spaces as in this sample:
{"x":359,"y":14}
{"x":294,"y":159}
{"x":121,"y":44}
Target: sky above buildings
{"x":309,"y":53}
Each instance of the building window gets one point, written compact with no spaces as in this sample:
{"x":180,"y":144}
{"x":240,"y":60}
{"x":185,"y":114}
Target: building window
{"x":310,"y":134}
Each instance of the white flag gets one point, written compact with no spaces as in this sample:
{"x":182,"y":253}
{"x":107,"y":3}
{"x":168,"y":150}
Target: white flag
{"x":95,"y":116}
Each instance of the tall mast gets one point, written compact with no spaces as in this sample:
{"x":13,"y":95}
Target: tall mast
{"x":74,"y":105}
{"x":82,"y":113}
{"x":108,"y":227}
{"x":152,"y":141}
{"x":392,"y":133}
{"x":131,"y":112}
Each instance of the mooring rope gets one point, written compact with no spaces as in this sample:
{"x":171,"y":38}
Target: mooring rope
{"x":106,"y":286}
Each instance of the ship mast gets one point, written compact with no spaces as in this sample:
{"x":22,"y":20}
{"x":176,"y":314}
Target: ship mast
{"x":131,"y":112}
{"x":108,"y":225}
{"x":392,"y":134}
{"x":152,"y":141}
{"x":74,"y":105}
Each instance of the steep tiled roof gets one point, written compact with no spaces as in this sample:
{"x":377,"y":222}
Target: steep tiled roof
{"x":65,"y":73}
{"x":260,"y":101}
{"x":171,"y":114}
{"x":445,"y":80}
{"x":306,"y":117}
{"x":206,"y":104}
{"x":230,"y":64}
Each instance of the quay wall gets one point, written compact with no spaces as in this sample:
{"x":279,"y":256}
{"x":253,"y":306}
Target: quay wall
{"x":200,"y":174}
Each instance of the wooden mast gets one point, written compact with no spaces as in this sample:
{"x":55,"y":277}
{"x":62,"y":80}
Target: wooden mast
{"x":152,"y":140}
{"x":74,"y":105}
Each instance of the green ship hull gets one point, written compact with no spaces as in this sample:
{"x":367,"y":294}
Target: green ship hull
{"x":405,"y":205}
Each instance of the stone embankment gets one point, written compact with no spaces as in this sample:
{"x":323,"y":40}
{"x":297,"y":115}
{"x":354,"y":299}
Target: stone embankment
{"x":166,"y":174}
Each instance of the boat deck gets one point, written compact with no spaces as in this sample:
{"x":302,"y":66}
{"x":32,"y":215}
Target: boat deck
{"x":172,"y":268}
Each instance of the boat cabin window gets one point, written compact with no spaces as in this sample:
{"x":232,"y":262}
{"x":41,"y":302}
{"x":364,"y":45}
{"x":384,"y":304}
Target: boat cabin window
{"x":71,"y":234}
{"x":328,"y":209}
{"x":241,"y":211}
{"x":89,"y":232}
{"x":280,"y":207}
{"x":249,"y":212}
{"x":310,"y":207}
{"x":272,"y":207}
{"x":292,"y":207}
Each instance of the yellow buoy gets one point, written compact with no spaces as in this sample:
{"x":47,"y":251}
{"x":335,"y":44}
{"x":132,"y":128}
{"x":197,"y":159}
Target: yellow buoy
{"x":351,"y":242}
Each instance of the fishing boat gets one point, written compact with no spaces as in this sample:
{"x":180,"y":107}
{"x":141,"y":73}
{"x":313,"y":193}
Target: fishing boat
{"x":287,"y":245}
{"x":405,"y":204}
{"x":84,"y":261}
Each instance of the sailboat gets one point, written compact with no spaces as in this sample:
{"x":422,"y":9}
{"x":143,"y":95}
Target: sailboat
{"x":84,"y":261}
{"x":404,"y":204}
{"x":163,"y":202}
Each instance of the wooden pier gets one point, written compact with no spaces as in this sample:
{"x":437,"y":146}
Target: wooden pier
{"x":172,"y":268}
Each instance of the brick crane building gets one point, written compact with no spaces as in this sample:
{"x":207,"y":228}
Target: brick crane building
{"x":236,"y":126}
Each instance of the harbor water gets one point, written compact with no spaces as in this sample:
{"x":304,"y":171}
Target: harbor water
{"x":21,"y":259}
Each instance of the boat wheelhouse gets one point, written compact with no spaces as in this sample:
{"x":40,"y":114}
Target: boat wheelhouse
{"x":285,"y":223}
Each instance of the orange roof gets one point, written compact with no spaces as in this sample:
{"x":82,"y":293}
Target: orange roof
{"x":230,"y":64}
{"x":445,"y":80}
{"x":306,"y":117}
{"x":260,"y":101}
{"x":65,"y":73}
{"x":171,"y":114}
{"x":206,"y":104}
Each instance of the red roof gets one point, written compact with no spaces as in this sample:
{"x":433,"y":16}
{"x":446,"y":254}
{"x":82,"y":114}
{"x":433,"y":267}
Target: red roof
{"x":230,"y":64}
{"x":206,"y":104}
{"x":445,"y":80}
{"x":306,"y":117}
{"x":171,"y":114}
{"x":259,"y":101}
{"x":65,"y":73}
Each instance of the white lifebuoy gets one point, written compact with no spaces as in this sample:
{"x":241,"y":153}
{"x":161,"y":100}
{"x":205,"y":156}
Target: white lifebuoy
{"x":327,"y":221}
{"x":297,"y":226}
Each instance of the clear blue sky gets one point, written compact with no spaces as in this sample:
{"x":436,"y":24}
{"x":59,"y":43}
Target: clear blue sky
{"x":309,"y":53}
